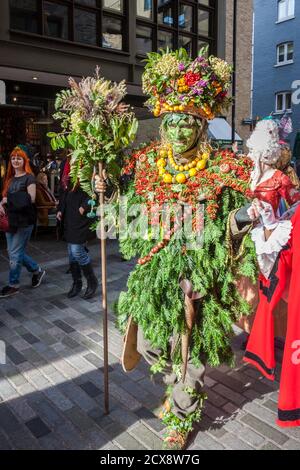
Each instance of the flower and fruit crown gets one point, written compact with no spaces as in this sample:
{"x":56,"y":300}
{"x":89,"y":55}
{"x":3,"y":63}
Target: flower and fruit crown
{"x":177,"y":83}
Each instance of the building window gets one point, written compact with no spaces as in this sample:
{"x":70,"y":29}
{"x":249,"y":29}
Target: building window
{"x":285,"y":53}
{"x":24,"y":15}
{"x":56,"y":20}
{"x":176,"y":23}
{"x":144,"y":39}
{"x":283,"y":102}
{"x":144,"y":9}
{"x":286,"y":9}
{"x":116,"y":5}
{"x":112,"y":33}
{"x":85,"y":27}
{"x":99,"y":23}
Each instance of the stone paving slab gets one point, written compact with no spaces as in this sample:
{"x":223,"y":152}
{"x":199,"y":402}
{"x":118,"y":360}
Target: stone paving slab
{"x":51,"y":388}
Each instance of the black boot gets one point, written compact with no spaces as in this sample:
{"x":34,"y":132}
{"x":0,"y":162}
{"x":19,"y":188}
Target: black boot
{"x":92,"y":281}
{"x":77,"y":281}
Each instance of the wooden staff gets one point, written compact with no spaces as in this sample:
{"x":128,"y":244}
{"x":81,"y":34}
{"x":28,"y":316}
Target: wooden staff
{"x":104,"y":292}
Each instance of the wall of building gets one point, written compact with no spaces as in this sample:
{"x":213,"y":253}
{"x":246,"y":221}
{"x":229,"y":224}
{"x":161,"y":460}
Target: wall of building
{"x":269,"y":79}
{"x":244,"y":60}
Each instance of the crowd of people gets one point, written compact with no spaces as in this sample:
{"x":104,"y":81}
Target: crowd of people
{"x":28,"y":200}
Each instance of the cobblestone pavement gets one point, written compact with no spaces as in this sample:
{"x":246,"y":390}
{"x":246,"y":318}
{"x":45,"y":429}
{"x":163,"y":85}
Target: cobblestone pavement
{"x":51,"y":386}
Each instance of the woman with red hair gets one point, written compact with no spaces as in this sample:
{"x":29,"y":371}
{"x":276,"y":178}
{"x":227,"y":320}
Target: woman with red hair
{"x":18,"y":201}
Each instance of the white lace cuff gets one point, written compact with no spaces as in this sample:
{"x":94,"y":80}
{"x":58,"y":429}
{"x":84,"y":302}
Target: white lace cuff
{"x":267,"y":250}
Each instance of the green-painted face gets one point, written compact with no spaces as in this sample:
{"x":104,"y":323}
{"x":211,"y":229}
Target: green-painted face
{"x":181,"y":131}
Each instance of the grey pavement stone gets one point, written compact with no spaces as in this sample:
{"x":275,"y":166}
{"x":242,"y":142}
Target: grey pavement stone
{"x":204,"y":441}
{"x":17,"y":380}
{"x":264,"y":429}
{"x":234,"y":443}
{"x":94,"y":440}
{"x":16,"y":357}
{"x":291,"y":444}
{"x":90,"y":389}
{"x":22,"y":439}
{"x":57,"y":378}
{"x":8,"y":421}
{"x":126,"y":441}
{"x":64,"y":326}
{"x":49,"y":413}
{"x":150,"y":419}
{"x":80,"y":419}
{"x":22,"y":409}
{"x":59,"y":399}
{"x":31,"y":339}
{"x":4,"y":442}
{"x":147,"y":437}
{"x":37,"y":427}
{"x":78,"y":396}
{"x":52,"y":442}
{"x":270,"y":446}
{"x":26,"y":389}
{"x":7,"y":391}
{"x":226,"y":392}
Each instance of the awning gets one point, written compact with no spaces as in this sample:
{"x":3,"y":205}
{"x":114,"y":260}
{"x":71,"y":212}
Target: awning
{"x":220,"y":130}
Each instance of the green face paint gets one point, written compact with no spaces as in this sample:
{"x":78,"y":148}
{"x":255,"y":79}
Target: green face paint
{"x":181,"y":131}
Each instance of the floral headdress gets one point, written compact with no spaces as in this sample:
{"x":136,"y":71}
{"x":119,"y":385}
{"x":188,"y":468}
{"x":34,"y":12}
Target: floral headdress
{"x":177,"y":83}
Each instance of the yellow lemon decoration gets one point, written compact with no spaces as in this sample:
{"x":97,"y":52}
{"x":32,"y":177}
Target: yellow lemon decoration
{"x":201,"y":165}
{"x":181,"y":178}
{"x":167,"y":158}
{"x":168,"y":178}
{"x":193,"y":172}
{"x":161,"y":163}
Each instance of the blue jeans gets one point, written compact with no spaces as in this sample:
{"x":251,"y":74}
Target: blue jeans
{"x":16,"y":246}
{"x":78,"y":253}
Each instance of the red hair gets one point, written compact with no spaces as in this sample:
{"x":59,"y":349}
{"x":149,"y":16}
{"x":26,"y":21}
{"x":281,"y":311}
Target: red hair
{"x":10,"y":170}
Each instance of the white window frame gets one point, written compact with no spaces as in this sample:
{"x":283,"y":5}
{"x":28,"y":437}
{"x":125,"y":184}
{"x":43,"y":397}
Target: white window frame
{"x":284,"y":94}
{"x":286,"y":61}
{"x":288,"y":4}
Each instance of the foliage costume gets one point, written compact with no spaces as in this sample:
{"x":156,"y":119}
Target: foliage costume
{"x":182,"y":299}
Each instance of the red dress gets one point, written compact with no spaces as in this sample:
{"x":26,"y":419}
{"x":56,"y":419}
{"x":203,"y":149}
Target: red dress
{"x":284,"y":273}
{"x":277,"y":187}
